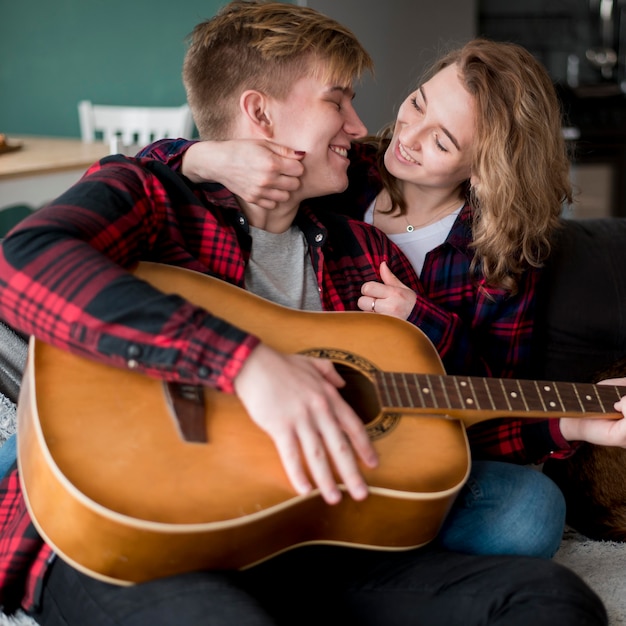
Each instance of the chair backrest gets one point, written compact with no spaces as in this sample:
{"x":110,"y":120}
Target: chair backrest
{"x":133,"y":125}
{"x":12,"y":215}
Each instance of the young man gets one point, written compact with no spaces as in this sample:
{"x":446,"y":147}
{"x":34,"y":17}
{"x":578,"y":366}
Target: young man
{"x":286,"y":74}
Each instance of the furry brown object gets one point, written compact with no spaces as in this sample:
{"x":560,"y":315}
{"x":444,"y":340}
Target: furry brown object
{"x":593,"y":482}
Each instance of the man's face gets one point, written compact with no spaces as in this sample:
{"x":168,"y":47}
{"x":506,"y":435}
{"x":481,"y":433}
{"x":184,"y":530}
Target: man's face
{"x":319,"y":119}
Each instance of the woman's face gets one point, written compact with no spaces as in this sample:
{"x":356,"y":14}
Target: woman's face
{"x":434,"y":134}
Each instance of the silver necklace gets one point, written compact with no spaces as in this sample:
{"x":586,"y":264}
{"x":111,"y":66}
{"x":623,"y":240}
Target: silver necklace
{"x":438,"y":216}
{"x":409,"y":227}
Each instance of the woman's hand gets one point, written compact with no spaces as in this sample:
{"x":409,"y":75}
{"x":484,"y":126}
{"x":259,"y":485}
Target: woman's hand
{"x":603,"y":432}
{"x":391,"y":297}
{"x":258,"y":171}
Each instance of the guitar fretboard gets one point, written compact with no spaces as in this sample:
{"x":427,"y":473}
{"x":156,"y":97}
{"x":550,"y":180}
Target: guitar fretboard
{"x":466,"y":393}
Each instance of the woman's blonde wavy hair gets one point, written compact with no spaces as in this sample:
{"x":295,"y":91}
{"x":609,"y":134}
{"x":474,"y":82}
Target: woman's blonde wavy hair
{"x":520,"y":158}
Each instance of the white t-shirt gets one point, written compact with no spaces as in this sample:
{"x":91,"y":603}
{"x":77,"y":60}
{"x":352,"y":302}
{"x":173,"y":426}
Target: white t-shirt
{"x":418,"y":243}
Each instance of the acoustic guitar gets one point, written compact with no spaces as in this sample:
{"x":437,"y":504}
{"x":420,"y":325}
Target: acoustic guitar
{"x":129,"y":478}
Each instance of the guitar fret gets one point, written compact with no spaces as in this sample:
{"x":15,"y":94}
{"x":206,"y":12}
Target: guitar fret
{"x":514,"y":396}
{"x":457,"y":386}
{"x":429,"y":392}
{"x":488,"y":390}
{"x":615,"y":398}
{"x":418,"y":387}
{"x":597,"y":392}
{"x":396,"y":390}
{"x":442,"y":386}
{"x":439,"y":389}
{"x":504,"y":393}
{"x":401,"y":391}
{"x":579,"y":399}
{"x":558,"y":396}
{"x":572,"y":402}
{"x":383,"y":389}
{"x":473,"y":401}
{"x":522,"y":394}
{"x":546,"y":397}
{"x":407,"y":399}
{"x":540,"y":396}
{"x":570,"y":398}
{"x":557,"y":403}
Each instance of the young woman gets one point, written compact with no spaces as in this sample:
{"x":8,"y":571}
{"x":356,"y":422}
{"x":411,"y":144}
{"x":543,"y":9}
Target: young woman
{"x":469,"y":182}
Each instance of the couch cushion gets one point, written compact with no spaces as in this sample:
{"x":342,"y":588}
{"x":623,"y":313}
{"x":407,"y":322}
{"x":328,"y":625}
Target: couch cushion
{"x":581,"y":315}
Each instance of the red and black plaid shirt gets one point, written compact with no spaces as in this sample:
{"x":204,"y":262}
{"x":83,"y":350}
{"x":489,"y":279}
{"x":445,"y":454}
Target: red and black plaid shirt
{"x":62,"y":279}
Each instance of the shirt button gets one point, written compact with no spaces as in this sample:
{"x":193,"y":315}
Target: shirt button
{"x":203,"y":371}
{"x":242,"y":220}
{"x":134,"y":351}
{"x":319,"y":237}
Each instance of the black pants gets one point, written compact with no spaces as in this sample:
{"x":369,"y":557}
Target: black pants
{"x":338,"y":587}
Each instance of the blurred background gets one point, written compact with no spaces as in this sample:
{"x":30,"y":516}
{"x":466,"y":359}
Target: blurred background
{"x":53,"y":54}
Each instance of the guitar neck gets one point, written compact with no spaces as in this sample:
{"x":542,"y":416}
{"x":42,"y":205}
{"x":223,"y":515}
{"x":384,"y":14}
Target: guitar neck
{"x":474,"y":399}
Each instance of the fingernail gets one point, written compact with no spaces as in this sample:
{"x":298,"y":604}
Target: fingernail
{"x":360,"y":493}
{"x":333,"y":497}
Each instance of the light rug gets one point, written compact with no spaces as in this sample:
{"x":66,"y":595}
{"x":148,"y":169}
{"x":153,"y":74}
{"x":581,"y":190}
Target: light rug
{"x":602,"y":564}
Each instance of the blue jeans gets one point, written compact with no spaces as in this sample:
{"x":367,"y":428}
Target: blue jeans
{"x":8,"y":454}
{"x":506,"y":509}
{"x":502,"y":509}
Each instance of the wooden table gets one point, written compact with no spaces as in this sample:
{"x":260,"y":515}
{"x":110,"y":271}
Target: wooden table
{"x":44,"y":167}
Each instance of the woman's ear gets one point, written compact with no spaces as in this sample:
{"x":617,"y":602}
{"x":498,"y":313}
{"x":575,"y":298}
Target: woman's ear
{"x":254,"y":106}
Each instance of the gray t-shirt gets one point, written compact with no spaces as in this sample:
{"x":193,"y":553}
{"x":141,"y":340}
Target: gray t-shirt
{"x":280,"y":269}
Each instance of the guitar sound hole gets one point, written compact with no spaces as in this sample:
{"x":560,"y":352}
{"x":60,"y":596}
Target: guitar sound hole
{"x":359,"y":393}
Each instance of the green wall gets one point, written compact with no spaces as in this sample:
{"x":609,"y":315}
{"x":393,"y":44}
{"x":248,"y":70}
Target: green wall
{"x":54,"y":53}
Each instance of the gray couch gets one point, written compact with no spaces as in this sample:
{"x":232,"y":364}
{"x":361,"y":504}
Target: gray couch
{"x":581,"y":316}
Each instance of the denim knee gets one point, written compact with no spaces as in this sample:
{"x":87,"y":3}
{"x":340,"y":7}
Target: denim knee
{"x":506,"y":509}
{"x":8,"y":454}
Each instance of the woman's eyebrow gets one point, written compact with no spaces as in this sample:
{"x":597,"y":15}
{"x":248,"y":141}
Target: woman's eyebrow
{"x":443,"y":128}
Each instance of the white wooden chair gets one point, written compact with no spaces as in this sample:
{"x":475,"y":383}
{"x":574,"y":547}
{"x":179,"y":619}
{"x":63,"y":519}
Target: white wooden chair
{"x":124,"y":126}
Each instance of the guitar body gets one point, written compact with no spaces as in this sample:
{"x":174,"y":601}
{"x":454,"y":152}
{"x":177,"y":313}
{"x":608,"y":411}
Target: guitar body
{"x":116,"y":490}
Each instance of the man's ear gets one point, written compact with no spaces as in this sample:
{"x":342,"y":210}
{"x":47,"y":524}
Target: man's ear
{"x":254,"y":105}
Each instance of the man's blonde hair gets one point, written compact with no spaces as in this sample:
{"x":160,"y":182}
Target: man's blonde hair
{"x":265,"y":46}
